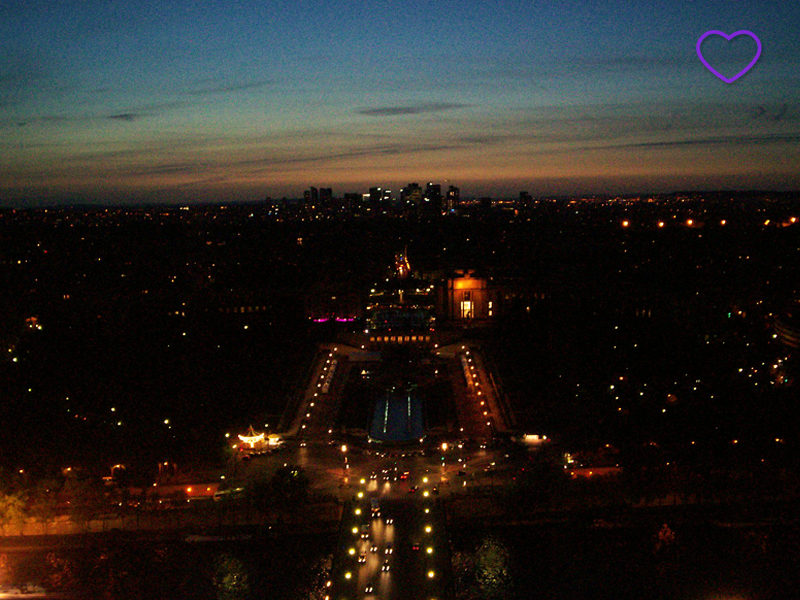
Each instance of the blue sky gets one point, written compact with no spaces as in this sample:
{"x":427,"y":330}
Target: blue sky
{"x":238,"y":100}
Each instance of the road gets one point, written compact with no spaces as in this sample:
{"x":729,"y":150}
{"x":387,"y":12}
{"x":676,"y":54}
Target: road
{"x":405,"y":555}
{"x":333,"y":471}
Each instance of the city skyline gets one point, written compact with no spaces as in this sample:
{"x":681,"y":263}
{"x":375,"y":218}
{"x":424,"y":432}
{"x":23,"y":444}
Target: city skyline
{"x":101,"y":102}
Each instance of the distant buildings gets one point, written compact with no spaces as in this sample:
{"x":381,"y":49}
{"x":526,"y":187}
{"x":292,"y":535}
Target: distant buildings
{"x":453,"y":198}
{"x":413,"y":200}
{"x":311,"y":197}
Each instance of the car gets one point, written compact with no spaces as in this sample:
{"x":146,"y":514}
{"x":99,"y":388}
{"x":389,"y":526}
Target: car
{"x":412,"y":489}
{"x":373,"y":548}
{"x":369,"y":589}
{"x":435,"y":489}
{"x":386,"y":566}
{"x":388,"y":549}
{"x":415,"y":546}
{"x":389,"y":521}
{"x":362,"y":558}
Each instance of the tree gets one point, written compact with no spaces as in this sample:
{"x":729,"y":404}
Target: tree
{"x":84,"y":499}
{"x":45,"y":501}
{"x":492,"y":565}
{"x":12,"y":512}
{"x":286,"y":492}
{"x":231,"y":578}
{"x":289,"y":487}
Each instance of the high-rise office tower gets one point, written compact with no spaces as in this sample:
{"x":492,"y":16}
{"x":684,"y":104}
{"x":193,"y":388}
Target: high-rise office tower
{"x":453,"y":198}
{"x":433,"y":198}
{"x":325,"y":196}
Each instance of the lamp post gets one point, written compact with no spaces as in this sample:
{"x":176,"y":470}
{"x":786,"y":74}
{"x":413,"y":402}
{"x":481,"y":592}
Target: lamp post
{"x":345,"y":466}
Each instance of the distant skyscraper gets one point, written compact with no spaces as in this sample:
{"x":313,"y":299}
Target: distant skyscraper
{"x":311,"y":196}
{"x":325,"y":196}
{"x":352,"y":202}
{"x":433,"y":198}
{"x":375,"y":197}
{"x":411,"y":199}
{"x":453,"y":198}
{"x":412,"y":193}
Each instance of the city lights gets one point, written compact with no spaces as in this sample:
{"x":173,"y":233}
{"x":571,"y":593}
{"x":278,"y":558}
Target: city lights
{"x":498,"y":316}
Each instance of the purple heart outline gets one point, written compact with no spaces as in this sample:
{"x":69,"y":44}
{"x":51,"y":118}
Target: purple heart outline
{"x":729,"y":38}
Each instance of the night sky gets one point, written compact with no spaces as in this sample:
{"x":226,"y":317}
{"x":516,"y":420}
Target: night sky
{"x":116,"y":101}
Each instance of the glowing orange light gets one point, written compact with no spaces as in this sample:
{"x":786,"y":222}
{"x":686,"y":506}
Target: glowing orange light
{"x":252,"y":439}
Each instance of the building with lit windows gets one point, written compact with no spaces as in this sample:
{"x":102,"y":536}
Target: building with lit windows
{"x":403,"y":303}
{"x":410,"y":373}
{"x":453,"y":200}
{"x":469,"y":298}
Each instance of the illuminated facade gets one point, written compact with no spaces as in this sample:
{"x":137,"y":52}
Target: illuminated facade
{"x":403,"y":303}
{"x":401,"y":265}
{"x":469,"y":298}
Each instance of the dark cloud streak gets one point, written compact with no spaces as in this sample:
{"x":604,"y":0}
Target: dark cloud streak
{"x":127,"y":117}
{"x":733,"y":140}
{"x":228,"y":89}
{"x":393,"y":111}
